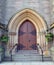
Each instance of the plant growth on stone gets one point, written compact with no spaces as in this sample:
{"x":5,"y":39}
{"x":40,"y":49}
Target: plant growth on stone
{"x":4,"y":38}
{"x":49,"y":37}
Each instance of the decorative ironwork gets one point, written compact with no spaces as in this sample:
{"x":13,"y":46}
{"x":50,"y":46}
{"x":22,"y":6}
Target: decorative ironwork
{"x":33,"y":32}
{"x":21,"y":32}
{"x":33,"y":46}
{"x":20,"y":46}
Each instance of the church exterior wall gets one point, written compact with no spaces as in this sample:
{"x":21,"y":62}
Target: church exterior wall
{"x":11,"y":7}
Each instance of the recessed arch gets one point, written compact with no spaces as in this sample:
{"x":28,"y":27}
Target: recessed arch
{"x":27,"y":37}
{"x":31,"y":15}
{"x":27,"y":13}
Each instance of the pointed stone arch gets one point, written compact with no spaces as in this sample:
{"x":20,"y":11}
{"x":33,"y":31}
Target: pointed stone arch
{"x":27,"y":14}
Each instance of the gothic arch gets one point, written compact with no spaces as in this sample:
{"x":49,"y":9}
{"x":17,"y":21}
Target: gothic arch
{"x":31,"y":15}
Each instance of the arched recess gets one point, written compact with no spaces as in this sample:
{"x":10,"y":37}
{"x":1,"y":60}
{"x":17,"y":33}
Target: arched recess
{"x":27,"y":36}
{"x":20,"y":17}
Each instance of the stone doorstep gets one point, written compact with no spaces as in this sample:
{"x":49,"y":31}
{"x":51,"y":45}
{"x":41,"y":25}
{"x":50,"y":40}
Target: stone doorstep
{"x":24,"y":55}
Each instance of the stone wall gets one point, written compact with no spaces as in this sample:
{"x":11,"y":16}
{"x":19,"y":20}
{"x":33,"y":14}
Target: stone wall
{"x":41,"y":7}
{"x":2,"y":10}
{"x":2,"y":14}
{"x":52,"y":11}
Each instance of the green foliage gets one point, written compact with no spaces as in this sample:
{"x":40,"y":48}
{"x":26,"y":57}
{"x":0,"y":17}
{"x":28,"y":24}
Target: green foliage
{"x":4,"y":38}
{"x":1,"y":49}
{"x":49,"y":37}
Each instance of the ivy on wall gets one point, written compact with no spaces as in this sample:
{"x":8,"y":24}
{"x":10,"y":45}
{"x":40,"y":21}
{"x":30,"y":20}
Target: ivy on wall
{"x":49,"y":37}
{"x":4,"y":38}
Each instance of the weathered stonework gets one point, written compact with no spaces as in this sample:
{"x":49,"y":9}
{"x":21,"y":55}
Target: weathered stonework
{"x":44,"y":8}
{"x":41,"y":7}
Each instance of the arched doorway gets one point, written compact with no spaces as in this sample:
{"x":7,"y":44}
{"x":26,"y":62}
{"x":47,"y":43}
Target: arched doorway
{"x":27,"y":36}
{"x":18,"y":19}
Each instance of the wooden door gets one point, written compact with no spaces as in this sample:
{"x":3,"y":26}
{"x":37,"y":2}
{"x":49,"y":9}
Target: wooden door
{"x":27,"y":36}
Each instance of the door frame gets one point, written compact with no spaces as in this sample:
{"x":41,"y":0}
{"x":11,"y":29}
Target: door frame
{"x":31,"y":22}
{"x":34,"y":28}
{"x":31,"y":15}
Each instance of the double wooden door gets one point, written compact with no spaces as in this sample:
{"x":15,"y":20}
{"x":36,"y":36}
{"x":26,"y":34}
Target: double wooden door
{"x":27,"y":36}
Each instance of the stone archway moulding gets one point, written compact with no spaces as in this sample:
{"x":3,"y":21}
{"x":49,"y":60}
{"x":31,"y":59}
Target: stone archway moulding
{"x":31,"y":15}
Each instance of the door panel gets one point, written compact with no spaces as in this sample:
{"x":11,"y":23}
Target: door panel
{"x":27,"y":36}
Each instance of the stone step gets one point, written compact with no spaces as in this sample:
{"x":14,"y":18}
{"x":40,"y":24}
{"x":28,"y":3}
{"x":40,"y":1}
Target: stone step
{"x":26,"y":51}
{"x":47,"y":59}
{"x":28,"y":54}
{"x":27,"y":57}
{"x":31,"y":55}
{"x":32,"y":58}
